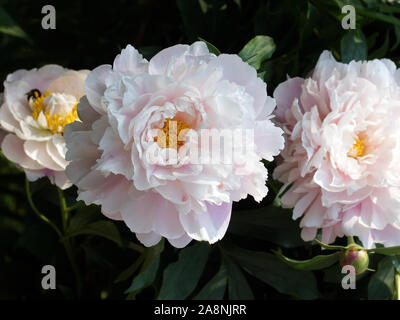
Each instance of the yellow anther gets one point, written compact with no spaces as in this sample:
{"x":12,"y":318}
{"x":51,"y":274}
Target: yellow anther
{"x":358,"y":148}
{"x":169,"y":135}
{"x":56,"y":123}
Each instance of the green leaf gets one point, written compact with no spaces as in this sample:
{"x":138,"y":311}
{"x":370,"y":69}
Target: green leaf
{"x":238,"y":2}
{"x":152,"y":253}
{"x":378,"y":16}
{"x":265,"y":72}
{"x":39,"y":240}
{"x":216,"y":287}
{"x":334,"y":274}
{"x":353,"y":46}
{"x":82,"y":223}
{"x":10,"y":27}
{"x":82,"y":217}
{"x":387,"y":251}
{"x":148,"y":272}
{"x":257,"y":50}
{"x":315,"y":263}
{"x":238,"y":287}
{"x":128,"y":272}
{"x":269,"y":269}
{"x":270,"y":223}
{"x":371,"y":41}
{"x":382,"y":50}
{"x":181,"y":277}
{"x":381,"y":285}
{"x":397,"y":34}
{"x":211,"y":47}
{"x":396,"y":263}
{"x":145,"y":278}
{"x":102,"y":228}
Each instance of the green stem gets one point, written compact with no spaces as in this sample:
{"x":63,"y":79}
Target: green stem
{"x":328,"y":247}
{"x":136,"y":247}
{"x":74,"y":207}
{"x":66,"y":241}
{"x":63,"y":207}
{"x":37,"y":212}
{"x":64,"y":217}
{"x":350,"y":240}
{"x":397,"y":284}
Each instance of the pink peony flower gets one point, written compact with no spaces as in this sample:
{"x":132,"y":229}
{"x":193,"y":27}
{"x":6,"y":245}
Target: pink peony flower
{"x":342,"y":152}
{"x":121,"y":152}
{"x":37,"y":105}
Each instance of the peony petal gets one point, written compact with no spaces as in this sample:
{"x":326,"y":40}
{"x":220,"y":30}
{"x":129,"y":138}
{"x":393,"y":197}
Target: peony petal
{"x":303,"y":204}
{"x":268,"y":139}
{"x":71,"y":82}
{"x":95,"y":87}
{"x":13,"y":149}
{"x":314,"y":215}
{"x":208,"y":226}
{"x":148,"y":239}
{"x":180,"y":242}
{"x":130,"y":61}
{"x":241,"y":73}
{"x":161,"y":61}
{"x":115,"y":159}
{"x":148,"y":211}
{"x":56,"y":150}
{"x":308,"y":234}
{"x":7,"y":121}
{"x":285,"y":94}
{"x":61,"y":180}
{"x":37,"y":151}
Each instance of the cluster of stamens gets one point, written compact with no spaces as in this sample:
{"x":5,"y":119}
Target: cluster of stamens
{"x":170,"y":135}
{"x":358,"y":148}
{"x":55,"y":122}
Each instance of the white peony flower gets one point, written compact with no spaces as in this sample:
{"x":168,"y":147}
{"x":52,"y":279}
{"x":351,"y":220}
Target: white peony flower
{"x":37,"y":106}
{"x":121,"y":152}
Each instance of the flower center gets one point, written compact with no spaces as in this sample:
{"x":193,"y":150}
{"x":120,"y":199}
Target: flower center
{"x":53,"y":110}
{"x":170,"y":135}
{"x":358,"y":148}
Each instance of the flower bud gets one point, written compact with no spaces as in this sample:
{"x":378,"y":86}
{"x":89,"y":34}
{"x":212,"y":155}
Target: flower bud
{"x":356,"y":256}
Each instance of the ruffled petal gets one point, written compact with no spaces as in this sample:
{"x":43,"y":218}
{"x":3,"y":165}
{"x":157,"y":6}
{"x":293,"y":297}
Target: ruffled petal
{"x":208,"y":226}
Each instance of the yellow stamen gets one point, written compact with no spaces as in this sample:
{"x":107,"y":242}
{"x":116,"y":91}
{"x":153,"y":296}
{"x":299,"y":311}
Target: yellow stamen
{"x":56,"y":123}
{"x":37,"y":104}
{"x":358,"y":148}
{"x":173,"y":126}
